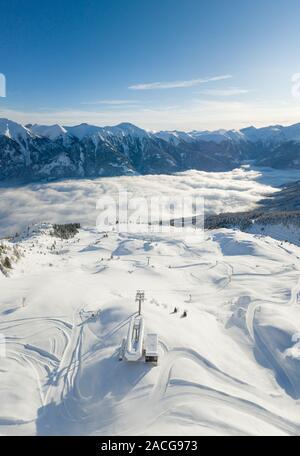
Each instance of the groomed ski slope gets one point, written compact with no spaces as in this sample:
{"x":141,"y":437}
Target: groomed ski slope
{"x":232,"y":367}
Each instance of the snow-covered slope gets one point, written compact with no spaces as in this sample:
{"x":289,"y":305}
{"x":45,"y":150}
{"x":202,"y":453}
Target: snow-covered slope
{"x":122,"y":130}
{"x":272,"y":134}
{"x":232,"y":367}
{"x":288,"y":233}
{"x":174,"y":136}
{"x":48,"y":131}
{"x":84,"y":130}
{"x":219,"y":136}
{"x":13,"y":130}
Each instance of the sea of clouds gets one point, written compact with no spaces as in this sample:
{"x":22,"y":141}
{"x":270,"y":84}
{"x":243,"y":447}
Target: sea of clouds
{"x":75,"y":200}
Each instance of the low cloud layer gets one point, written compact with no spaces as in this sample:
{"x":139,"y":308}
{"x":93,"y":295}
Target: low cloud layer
{"x":75,"y":200}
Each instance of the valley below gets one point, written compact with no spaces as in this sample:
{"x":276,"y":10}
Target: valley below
{"x":75,"y":200}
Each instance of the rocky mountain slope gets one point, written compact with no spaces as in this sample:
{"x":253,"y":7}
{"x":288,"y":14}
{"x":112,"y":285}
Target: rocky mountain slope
{"x":34,"y":152}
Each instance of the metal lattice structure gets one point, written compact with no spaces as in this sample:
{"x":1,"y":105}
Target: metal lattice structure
{"x":140,"y":298}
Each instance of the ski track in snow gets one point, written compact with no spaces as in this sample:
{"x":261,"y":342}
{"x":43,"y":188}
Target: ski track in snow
{"x":222,"y":370}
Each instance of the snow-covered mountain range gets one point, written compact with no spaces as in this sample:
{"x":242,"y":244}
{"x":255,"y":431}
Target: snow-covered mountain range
{"x":52,"y":151}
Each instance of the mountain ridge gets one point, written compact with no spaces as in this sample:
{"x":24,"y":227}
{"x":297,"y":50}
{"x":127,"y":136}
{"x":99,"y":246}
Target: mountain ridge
{"x":36,"y":151}
{"x":252,"y":134}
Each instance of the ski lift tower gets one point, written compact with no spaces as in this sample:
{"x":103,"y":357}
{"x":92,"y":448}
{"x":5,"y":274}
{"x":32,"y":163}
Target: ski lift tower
{"x":140,"y":298}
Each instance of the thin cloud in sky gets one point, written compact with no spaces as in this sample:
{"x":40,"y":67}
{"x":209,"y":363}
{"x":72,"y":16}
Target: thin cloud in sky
{"x":227,"y":92}
{"x":177,"y":84}
{"x":196,"y":115}
{"x":111,"y":102}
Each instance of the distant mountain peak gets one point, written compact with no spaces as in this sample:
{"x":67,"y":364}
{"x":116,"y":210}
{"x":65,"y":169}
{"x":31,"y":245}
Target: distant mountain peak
{"x":48,"y":131}
{"x":13,"y":130}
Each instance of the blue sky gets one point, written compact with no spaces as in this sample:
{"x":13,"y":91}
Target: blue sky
{"x":161,"y":64}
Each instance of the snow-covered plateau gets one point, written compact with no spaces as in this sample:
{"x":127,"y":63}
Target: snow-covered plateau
{"x":231,"y":367}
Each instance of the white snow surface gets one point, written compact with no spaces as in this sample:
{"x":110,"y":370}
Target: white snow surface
{"x":49,"y":131}
{"x":232,"y":367}
{"x":123,"y":129}
{"x":13,"y":130}
{"x":288,"y":233}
